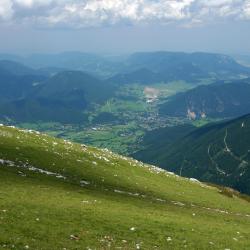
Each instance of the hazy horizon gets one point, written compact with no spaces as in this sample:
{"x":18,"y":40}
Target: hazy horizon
{"x":116,"y":54}
{"x":124,"y":26}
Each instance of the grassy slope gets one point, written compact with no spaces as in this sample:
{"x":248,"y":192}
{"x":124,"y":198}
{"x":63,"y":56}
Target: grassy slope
{"x":166,"y":212}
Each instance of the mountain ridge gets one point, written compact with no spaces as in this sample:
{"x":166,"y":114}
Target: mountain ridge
{"x":216,"y":153}
{"x":217,"y":100}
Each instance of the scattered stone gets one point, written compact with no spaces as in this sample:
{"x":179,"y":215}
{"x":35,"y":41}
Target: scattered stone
{"x":74,"y":237}
{"x":85,"y":201}
{"x":82,"y":182}
{"x":194,"y":180}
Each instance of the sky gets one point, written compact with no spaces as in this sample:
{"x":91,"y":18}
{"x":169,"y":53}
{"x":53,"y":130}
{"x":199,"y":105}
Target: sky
{"x":124,"y":26}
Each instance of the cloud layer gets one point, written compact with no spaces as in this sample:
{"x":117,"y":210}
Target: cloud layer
{"x":92,"y":13}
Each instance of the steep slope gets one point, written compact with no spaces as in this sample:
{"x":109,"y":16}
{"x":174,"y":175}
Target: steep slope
{"x":156,"y":143}
{"x":60,"y":195}
{"x":217,"y":153}
{"x":218,"y":100}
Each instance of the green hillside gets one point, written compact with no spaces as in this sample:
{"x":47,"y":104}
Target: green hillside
{"x":218,"y":100}
{"x":61,"y":98}
{"x":62,"y":85}
{"x":58,"y":195}
{"x":217,"y":153}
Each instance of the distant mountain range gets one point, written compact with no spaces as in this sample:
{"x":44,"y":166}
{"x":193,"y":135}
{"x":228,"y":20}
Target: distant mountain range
{"x":14,"y":68}
{"x":93,"y":64}
{"x":144,"y":68}
{"x":27,"y":96}
{"x":171,"y":66}
{"x":218,"y":153}
{"x":52,"y":91}
{"x":218,"y":100}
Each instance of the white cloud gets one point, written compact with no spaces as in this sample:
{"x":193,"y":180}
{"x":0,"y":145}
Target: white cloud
{"x":88,"y":13}
{"x":246,"y":10}
{"x":96,"y":12}
{"x":217,"y":3}
{"x":213,"y":10}
{"x":6,"y":10}
{"x":32,"y":3}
